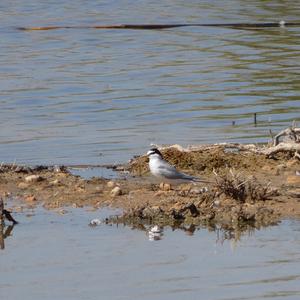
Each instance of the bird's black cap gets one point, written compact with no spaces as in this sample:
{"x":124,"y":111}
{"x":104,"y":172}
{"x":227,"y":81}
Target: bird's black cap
{"x":154,"y":151}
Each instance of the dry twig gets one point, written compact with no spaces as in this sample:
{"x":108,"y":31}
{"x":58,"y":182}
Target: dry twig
{"x":235,"y":186}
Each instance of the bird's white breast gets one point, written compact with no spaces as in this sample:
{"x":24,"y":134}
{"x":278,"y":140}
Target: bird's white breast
{"x":154,"y":163}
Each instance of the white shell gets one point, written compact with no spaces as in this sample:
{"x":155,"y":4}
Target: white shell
{"x":95,"y":222}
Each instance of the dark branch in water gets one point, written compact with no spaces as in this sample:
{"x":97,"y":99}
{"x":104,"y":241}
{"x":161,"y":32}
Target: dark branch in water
{"x":5,"y":214}
{"x":5,"y":233}
{"x":9,"y":217}
{"x":168,"y":26}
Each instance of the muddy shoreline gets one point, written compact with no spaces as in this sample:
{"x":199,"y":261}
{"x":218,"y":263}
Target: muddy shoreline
{"x":247,"y":189}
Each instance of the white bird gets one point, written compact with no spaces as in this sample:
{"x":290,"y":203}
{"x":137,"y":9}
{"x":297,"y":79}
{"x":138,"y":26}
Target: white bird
{"x":160,"y":168}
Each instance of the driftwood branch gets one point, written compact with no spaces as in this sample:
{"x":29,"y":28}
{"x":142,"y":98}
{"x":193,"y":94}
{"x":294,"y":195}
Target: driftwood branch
{"x":5,"y":232}
{"x":290,"y":134}
{"x":5,"y":214}
{"x":282,"y":147}
{"x":191,"y":148}
{"x":168,"y":26}
{"x":290,"y":144}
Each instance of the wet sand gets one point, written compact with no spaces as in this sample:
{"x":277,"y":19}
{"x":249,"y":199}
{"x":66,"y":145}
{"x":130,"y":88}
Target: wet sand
{"x":270,"y":189}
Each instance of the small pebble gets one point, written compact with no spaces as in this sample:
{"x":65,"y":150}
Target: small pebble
{"x":159,"y":193}
{"x":196,"y":191}
{"x":91,"y":208}
{"x":295,"y":193}
{"x":116,"y":191}
{"x":217,"y":202}
{"x":291,"y":163}
{"x":280,"y":168}
{"x":18,"y":208}
{"x":201,"y":190}
{"x":204,"y":189}
{"x":54,"y":182}
{"x":269,"y":168}
{"x":20,"y":169}
{"x":165,"y":186}
{"x":293,"y":180}
{"x":23,"y":185}
{"x":33,"y":178}
{"x":111,"y":184}
{"x":119,"y":168}
{"x":282,"y":23}
{"x":62,"y":211}
{"x":57,"y":169}
{"x":30,"y":198}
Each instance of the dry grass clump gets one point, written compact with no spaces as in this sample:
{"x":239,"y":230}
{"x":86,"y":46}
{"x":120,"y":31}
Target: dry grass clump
{"x":236,"y":186}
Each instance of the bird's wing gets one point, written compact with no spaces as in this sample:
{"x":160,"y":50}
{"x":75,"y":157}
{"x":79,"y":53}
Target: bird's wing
{"x":170,"y":172}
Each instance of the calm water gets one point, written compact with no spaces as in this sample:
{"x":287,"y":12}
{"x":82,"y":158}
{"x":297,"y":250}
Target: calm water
{"x":52,"y":256}
{"x":101,"y":96}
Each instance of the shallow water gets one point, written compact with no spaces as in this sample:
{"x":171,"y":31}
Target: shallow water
{"x":101,"y":96}
{"x":49,"y":256}
{"x":89,"y":172}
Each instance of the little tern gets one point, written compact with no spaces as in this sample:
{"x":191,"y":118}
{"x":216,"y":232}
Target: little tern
{"x":160,"y":168}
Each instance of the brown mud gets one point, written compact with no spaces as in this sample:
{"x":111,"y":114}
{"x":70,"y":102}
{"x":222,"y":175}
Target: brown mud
{"x":246,"y":189}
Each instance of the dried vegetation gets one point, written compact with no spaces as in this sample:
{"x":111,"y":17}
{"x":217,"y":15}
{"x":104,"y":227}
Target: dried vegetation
{"x":238,"y":187}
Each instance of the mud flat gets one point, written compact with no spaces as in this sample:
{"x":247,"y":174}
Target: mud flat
{"x":249,"y":187}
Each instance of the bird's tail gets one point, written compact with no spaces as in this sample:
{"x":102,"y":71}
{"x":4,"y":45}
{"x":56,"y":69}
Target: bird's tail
{"x":201,"y":180}
{"x":197,"y":179}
